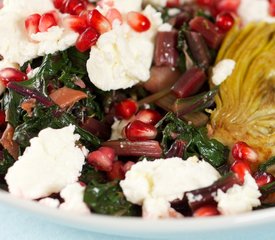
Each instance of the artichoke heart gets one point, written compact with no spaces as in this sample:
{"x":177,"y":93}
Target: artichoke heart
{"x":245,"y":104}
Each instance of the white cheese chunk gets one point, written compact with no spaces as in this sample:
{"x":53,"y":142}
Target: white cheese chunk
{"x":254,"y":11}
{"x":16,"y":46}
{"x":49,"y":202}
{"x":122,"y":57}
{"x":239,"y":199}
{"x":222,"y":70}
{"x":73,"y":199}
{"x":165,"y":180}
{"x":51,"y":162}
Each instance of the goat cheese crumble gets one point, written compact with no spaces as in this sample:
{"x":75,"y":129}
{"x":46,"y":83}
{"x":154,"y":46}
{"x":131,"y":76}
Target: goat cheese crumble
{"x":222,"y":71}
{"x":122,"y":57}
{"x":163,"y":180}
{"x":239,"y":199}
{"x":16,"y":47}
{"x":50,"y":163}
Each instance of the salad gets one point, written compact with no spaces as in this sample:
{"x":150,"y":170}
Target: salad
{"x":153,"y":108}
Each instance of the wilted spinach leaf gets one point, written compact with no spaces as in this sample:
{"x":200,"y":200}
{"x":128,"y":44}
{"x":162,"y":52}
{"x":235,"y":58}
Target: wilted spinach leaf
{"x":107,"y":198}
{"x":197,"y":140}
{"x":6,"y":162}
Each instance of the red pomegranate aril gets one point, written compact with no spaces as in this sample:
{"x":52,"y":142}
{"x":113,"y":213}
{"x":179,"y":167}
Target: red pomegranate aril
{"x":138,"y":21}
{"x":58,"y":3}
{"x":240,"y":168}
{"x":225,"y":21}
{"x":109,"y":152}
{"x":205,"y":3}
{"x":97,"y":21}
{"x":126,"y":109}
{"x":113,"y":14}
{"x":127,"y":166}
{"x":242,"y":151}
{"x":206,"y":211}
{"x":2,"y":117}
{"x":117,"y":171}
{"x":172,"y":3}
{"x":138,"y":130}
{"x":76,"y":23}
{"x":74,"y":7}
{"x":149,"y":116}
{"x":100,"y":161}
{"x":87,"y":39}
{"x":11,"y":74}
{"x":31,"y":23}
{"x":272,"y":8}
{"x":227,"y":5}
{"x":263,"y":178}
{"x":47,"y":21}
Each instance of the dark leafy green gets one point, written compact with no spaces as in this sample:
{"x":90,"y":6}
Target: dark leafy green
{"x":264,"y":166}
{"x":197,"y":140}
{"x":6,"y":162}
{"x":108,"y":198}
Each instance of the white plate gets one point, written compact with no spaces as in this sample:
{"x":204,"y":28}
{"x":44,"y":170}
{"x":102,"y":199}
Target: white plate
{"x":137,"y":227}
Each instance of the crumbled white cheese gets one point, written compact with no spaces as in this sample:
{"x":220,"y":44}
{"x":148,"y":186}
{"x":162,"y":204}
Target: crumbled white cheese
{"x":239,"y":199}
{"x":73,"y":199}
{"x":127,"y":6}
{"x":162,"y":3}
{"x":51,"y":162}
{"x":16,"y":47}
{"x":122,"y":57}
{"x":49,"y":202}
{"x":165,"y":27}
{"x":165,"y":180}
{"x":154,"y":208}
{"x":254,"y":11}
{"x":222,"y":70}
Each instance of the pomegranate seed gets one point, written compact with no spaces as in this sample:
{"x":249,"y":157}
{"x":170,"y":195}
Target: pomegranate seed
{"x":149,"y":116}
{"x":96,"y":20}
{"x":11,"y":74}
{"x":109,"y":152}
{"x":82,"y":184}
{"x":126,"y":108}
{"x":102,"y":3}
{"x":205,"y":3}
{"x":2,"y":117}
{"x":227,"y":5}
{"x":113,"y":14}
{"x":31,"y":23}
{"x":240,"y":168}
{"x":206,"y":211}
{"x":86,"y":39}
{"x":47,"y":20}
{"x":100,"y":160}
{"x":172,"y":3}
{"x":272,"y":8}
{"x":58,"y":3}
{"x":74,"y":7}
{"x":76,"y":23}
{"x":117,"y":171}
{"x":225,"y":21}
{"x":138,"y":130}
{"x":138,"y":21}
{"x":241,"y":151}
{"x":127,"y":166}
{"x":263,"y":178}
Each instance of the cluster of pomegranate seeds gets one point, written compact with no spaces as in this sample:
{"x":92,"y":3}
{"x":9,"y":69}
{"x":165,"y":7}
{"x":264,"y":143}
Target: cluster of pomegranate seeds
{"x":225,"y":21}
{"x":36,"y":23}
{"x":206,"y":211}
{"x":104,"y":159}
{"x":138,"y":21}
{"x":12,"y":75}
